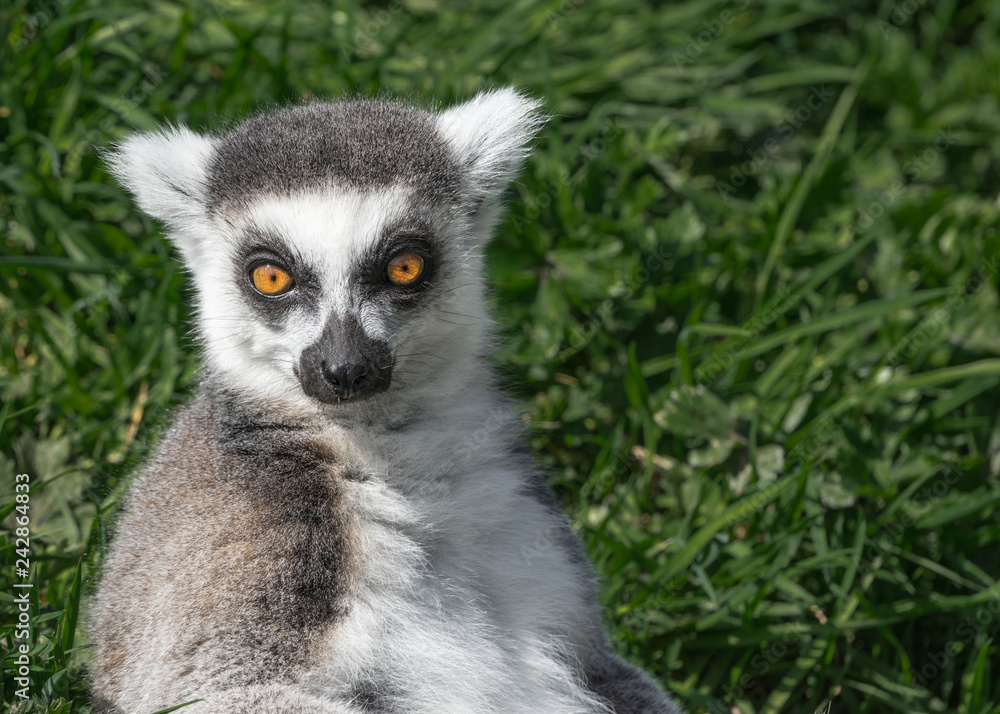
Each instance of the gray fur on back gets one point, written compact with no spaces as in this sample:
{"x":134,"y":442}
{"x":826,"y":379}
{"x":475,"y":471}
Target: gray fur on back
{"x":298,"y":546}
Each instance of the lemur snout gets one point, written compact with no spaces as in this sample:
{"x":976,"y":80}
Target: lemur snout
{"x":347,"y":380}
{"x":344,"y":363}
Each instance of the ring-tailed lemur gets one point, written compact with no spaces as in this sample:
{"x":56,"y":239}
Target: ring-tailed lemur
{"x":341,"y":522}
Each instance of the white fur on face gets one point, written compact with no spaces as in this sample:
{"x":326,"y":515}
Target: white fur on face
{"x":331,"y":232}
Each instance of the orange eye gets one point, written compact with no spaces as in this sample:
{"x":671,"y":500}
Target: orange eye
{"x":270,"y":280}
{"x":405,"y":269}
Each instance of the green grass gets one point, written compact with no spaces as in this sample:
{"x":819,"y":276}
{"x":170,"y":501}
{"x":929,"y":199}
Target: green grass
{"x":748,"y":286}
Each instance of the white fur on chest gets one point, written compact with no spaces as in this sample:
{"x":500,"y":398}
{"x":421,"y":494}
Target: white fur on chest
{"x":462,"y":592}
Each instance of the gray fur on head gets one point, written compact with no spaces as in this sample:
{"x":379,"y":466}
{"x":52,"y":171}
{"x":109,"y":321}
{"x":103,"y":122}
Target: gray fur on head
{"x":364,"y":144}
{"x":344,"y":520}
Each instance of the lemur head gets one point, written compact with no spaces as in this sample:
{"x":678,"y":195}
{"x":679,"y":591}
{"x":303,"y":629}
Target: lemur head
{"x":336,"y":248}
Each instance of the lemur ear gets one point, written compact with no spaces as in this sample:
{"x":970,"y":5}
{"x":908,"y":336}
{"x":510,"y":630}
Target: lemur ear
{"x":489,"y":136}
{"x":165,"y":171}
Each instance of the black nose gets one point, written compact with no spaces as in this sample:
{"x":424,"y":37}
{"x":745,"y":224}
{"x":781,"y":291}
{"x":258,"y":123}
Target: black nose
{"x":344,"y":363}
{"x":348,"y":380}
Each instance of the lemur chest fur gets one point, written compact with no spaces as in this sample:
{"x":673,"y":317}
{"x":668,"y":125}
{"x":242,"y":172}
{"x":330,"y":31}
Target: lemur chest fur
{"x":301,"y":519}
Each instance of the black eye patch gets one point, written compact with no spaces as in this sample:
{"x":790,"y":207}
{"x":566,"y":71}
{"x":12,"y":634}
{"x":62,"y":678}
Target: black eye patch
{"x":371,"y":270}
{"x":258,"y":248}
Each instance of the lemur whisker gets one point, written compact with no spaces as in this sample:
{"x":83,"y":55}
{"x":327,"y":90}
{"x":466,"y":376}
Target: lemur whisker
{"x":459,"y":314}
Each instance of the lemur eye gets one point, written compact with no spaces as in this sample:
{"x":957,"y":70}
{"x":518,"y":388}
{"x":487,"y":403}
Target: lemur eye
{"x":405,"y":269}
{"x":270,"y":280}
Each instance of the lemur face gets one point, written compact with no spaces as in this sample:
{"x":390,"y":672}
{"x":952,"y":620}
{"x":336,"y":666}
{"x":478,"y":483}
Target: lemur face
{"x":336,"y":249}
{"x":333,"y":289}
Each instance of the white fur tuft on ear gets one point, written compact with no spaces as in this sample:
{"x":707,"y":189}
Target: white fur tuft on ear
{"x":489,"y":135}
{"x":165,"y":171}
